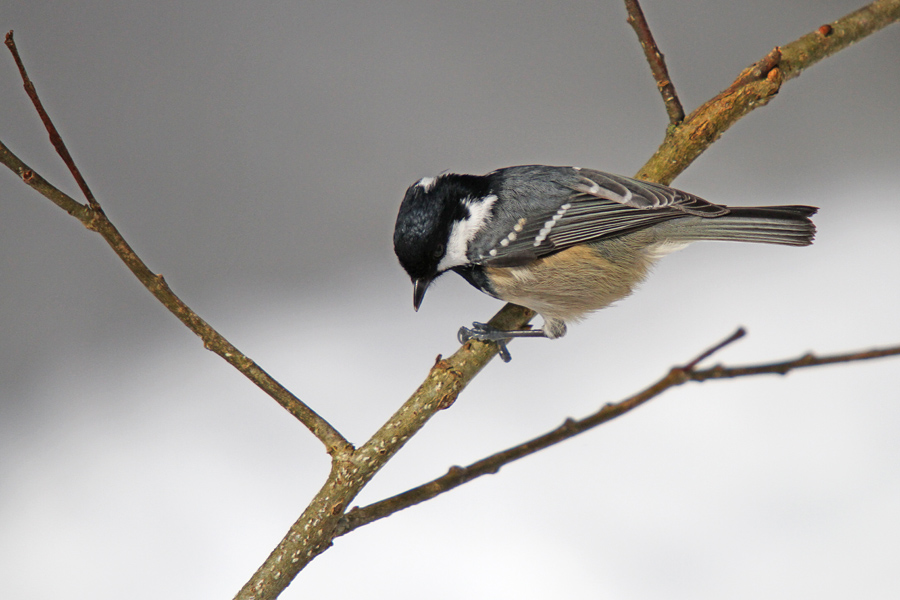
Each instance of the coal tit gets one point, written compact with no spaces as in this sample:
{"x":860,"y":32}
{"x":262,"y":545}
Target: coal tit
{"x":563,"y":241}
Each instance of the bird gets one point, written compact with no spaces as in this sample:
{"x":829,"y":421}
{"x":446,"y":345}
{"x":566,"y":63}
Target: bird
{"x":563,"y":241}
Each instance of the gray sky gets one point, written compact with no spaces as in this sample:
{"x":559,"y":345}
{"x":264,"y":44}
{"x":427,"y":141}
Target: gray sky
{"x":255,"y":154}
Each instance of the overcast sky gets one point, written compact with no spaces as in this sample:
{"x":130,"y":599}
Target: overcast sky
{"x":256,"y":153}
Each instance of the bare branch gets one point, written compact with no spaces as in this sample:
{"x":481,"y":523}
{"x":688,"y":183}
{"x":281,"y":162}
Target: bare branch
{"x":457,"y":476}
{"x":55,"y":138}
{"x":656,"y":60}
{"x":93,"y":217}
{"x":758,"y":84}
{"x":738,"y":334}
{"x":97,"y":221}
{"x":315,"y":530}
{"x":785,"y":367}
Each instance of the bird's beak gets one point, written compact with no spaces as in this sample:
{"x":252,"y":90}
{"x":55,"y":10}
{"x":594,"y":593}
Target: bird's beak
{"x":419,"y":288}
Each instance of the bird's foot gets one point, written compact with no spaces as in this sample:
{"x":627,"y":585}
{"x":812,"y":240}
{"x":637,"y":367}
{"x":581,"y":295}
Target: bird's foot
{"x":483,"y":332}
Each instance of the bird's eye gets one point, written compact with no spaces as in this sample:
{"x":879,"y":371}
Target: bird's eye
{"x":439,"y":251}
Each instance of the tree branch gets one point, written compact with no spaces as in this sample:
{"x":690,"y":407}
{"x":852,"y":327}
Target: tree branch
{"x":656,"y":60}
{"x":93,"y":217}
{"x":785,"y":367}
{"x":457,"y":476}
{"x":315,"y":530}
{"x":758,"y":84}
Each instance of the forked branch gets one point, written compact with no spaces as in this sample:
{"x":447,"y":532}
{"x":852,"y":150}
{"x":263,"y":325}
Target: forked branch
{"x":457,"y":476}
{"x":758,"y":84}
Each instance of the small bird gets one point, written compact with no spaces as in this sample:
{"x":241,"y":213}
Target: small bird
{"x":563,"y":241}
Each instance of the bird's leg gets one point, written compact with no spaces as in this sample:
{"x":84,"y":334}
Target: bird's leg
{"x":483,"y":332}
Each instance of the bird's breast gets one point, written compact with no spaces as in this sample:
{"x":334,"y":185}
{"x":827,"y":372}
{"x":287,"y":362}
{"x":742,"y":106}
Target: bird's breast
{"x":571,"y":283}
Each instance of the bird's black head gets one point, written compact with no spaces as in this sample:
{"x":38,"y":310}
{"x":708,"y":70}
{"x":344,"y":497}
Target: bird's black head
{"x":425,"y":226}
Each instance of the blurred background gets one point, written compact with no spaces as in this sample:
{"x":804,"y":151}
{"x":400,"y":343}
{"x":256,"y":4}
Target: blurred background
{"x":256,"y":153}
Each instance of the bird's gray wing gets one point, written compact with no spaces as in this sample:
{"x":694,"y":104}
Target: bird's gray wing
{"x":567,"y":206}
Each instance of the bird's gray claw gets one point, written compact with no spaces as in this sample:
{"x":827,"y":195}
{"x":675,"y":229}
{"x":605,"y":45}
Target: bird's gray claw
{"x":479,"y":331}
{"x":503,"y":351}
{"x":483,"y":332}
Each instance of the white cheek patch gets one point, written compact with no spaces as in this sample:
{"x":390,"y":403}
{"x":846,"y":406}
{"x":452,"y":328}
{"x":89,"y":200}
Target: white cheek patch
{"x":455,"y":255}
{"x":465,"y":231}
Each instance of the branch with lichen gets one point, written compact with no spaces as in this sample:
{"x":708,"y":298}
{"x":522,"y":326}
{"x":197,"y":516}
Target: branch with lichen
{"x":758,"y":84}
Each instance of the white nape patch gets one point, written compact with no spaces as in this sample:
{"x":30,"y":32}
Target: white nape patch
{"x":657,"y":251}
{"x":548,"y":225}
{"x":465,"y":231}
{"x":426,"y":183}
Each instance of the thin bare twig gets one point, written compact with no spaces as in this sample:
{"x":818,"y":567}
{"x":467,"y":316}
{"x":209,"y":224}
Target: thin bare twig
{"x":93,"y":217}
{"x":785,"y":367}
{"x":55,"y":138}
{"x":656,"y":60}
{"x":738,"y":334}
{"x":457,"y":476}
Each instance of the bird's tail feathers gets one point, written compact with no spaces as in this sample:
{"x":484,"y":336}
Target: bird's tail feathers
{"x":786,"y":225}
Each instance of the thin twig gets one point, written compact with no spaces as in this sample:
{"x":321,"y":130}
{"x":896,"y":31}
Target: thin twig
{"x":314,"y":531}
{"x":457,"y":476}
{"x":785,"y":367}
{"x":738,"y":334}
{"x":656,"y":60}
{"x":55,"y":138}
{"x":93,"y":217}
